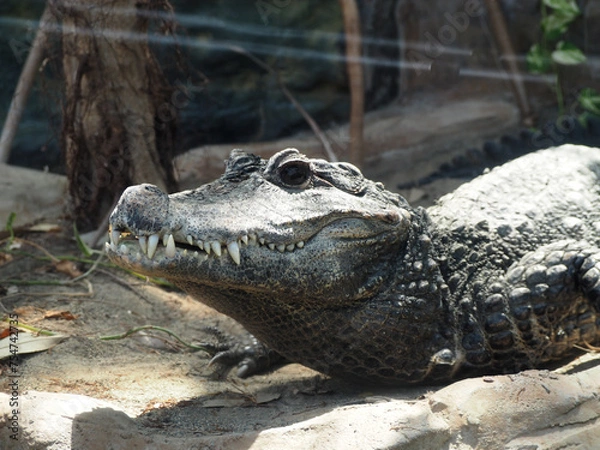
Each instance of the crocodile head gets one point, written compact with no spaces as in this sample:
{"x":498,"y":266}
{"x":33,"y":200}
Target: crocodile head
{"x":289,"y":230}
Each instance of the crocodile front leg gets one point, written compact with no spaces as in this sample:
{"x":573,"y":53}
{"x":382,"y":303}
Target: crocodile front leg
{"x":545,"y":304}
{"x":246,"y":353}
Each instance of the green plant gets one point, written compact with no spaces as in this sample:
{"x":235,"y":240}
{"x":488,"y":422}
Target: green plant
{"x":589,"y":99}
{"x":9,"y":227}
{"x":554,"y":50}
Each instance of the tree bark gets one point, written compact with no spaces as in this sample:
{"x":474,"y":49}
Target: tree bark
{"x":113,"y":132}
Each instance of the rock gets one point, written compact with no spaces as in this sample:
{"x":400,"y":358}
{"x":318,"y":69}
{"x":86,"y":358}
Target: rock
{"x":399,"y":143}
{"x":31,"y":194}
{"x":531,"y":410}
{"x":46,"y":420}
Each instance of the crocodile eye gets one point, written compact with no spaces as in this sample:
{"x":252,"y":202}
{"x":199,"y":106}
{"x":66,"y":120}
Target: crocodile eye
{"x":295,"y":173}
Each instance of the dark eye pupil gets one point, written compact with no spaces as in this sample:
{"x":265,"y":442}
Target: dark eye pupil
{"x":294,"y":174}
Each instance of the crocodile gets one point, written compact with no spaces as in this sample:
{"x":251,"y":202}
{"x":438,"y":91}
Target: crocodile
{"x":328,"y":269}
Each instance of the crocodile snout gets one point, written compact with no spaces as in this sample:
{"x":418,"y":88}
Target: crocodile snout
{"x":142,"y":210}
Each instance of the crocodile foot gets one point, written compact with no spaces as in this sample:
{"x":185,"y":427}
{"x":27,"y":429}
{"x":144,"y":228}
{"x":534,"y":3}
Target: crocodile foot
{"x":246,"y":353}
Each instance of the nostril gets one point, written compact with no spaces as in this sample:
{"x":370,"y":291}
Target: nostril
{"x":142,"y":209}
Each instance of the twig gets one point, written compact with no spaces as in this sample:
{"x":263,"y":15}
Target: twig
{"x":155,"y":328}
{"x":503,"y":39}
{"x":30,"y":328}
{"x":355,"y":78}
{"x":313,"y":125}
{"x":89,"y":271}
{"x":88,"y":293}
{"x":17,"y":105}
{"x":125,"y":284}
{"x":49,"y":255}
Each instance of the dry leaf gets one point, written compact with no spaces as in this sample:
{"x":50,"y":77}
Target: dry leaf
{"x":27,"y":343}
{"x":55,"y":314}
{"x":5,"y":258}
{"x":232,"y":400}
{"x":15,"y":245}
{"x":68,"y":267}
{"x":266,"y":397}
{"x":156,"y":404}
{"x":45,"y":227}
{"x":23,"y":311}
{"x":221,"y":402}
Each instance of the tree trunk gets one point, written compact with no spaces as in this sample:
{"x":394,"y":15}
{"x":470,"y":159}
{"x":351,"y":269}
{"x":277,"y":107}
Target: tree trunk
{"x":113,"y":134}
{"x":354,"y":68}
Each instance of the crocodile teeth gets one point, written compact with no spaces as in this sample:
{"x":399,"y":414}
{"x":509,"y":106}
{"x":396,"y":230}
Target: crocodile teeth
{"x":115,"y":236}
{"x":234,"y":251}
{"x":152,"y":244}
{"x":149,"y":245}
{"x":170,"y":250}
{"x":143,"y":243}
{"x":216,"y":247}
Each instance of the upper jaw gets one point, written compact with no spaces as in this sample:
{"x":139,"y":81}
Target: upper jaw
{"x":191,"y":224}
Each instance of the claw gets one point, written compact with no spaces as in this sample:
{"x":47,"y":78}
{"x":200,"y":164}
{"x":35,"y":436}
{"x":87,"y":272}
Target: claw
{"x":246,"y":368}
{"x":247,"y":353}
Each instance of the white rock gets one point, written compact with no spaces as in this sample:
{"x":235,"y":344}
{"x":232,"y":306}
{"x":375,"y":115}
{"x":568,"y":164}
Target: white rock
{"x":531,"y":410}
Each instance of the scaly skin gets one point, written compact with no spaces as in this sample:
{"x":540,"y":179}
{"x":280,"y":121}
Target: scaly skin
{"x":332,"y":271}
